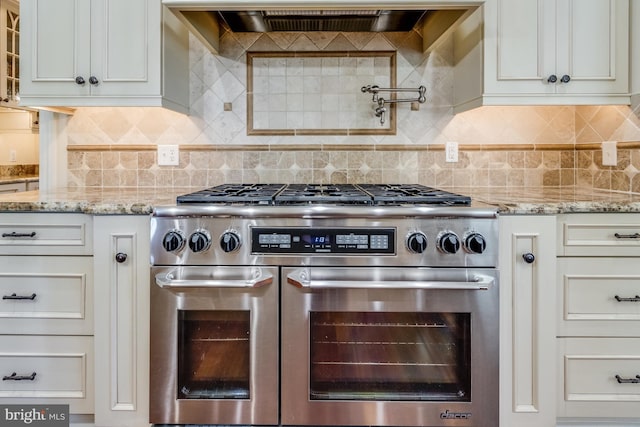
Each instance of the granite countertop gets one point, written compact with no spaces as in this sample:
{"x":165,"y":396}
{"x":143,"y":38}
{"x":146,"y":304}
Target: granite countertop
{"x":97,"y":201}
{"x":550,"y":201}
{"x":140,"y":201}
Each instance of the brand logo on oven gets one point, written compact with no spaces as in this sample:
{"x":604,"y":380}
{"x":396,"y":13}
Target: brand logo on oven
{"x":446,"y":415}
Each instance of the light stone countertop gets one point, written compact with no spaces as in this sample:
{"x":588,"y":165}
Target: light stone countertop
{"x":140,"y":201}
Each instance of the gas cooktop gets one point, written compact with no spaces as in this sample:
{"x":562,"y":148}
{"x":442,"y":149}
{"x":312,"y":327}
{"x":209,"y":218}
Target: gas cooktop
{"x":334,"y":194}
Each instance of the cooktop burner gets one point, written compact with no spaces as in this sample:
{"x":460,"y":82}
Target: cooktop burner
{"x":337,"y":194}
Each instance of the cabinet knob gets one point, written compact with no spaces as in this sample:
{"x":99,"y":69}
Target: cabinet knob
{"x":121,"y":257}
{"x":552,"y":78}
{"x":528,"y":258}
{"x":80,"y":80}
{"x":565,"y":79}
{"x":94,"y":80}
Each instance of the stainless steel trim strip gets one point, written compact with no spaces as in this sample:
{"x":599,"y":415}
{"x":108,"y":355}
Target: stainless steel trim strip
{"x":323,"y":211}
{"x":301,"y":278}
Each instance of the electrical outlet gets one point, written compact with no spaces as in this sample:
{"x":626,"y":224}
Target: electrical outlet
{"x":12,"y":156}
{"x":609,"y":153}
{"x":451,"y":152}
{"x":168,"y":155}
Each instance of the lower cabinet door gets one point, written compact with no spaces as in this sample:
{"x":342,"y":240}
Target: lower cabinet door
{"x":121,"y":263}
{"x":38,"y":369}
{"x":600,"y":377}
{"x":527,"y":322}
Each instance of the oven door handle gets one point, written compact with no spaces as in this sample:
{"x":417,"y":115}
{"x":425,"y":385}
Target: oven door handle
{"x":167,"y":280}
{"x":301,"y":278}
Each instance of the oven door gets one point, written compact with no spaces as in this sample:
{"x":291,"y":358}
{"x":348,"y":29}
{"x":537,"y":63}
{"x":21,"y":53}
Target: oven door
{"x":389,"y":346}
{"x":214,"y":345}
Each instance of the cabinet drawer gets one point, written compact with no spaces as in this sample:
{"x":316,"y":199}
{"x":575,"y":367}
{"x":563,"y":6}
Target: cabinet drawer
{"x":56,"y":370}
{"x":589,"y":385}
{"x":45,"y":234}
{"x":615,"y":234}
{"x":46,"y":295}
{"x":598,"y":296}
{"x":13,"y":187}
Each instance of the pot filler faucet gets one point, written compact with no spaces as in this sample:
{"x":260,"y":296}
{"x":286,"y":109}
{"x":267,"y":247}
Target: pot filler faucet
{"x":381,"y":110}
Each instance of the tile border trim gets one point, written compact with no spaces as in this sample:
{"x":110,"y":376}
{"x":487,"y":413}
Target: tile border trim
{"x":628,"y":145}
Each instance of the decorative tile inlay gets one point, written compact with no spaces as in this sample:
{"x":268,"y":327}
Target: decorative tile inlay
{"x":294,"y":93}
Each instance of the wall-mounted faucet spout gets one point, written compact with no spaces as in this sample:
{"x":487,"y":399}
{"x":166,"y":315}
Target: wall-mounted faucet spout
{"x":381,"y":109}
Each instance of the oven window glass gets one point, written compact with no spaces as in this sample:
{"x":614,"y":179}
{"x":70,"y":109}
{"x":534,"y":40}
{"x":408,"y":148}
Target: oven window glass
{"x":390,"y":356}
{"x":213,"y":354}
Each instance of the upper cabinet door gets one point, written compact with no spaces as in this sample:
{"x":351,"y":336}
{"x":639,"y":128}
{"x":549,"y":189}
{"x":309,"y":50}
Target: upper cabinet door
{"x":103,"y":53}
{"x":56,"y":41}
{"x":543,"y":52}
{"x":520,"y":50}
{"x":593,"y":46}
{"x":556,"y":52}
{"x":125,"y":47}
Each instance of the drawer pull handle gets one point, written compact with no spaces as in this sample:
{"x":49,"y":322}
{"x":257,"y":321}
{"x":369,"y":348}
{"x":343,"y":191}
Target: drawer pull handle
{"x":20,"y":297}
{"x":13,"y":234}
{"x":627,"y":236}
{"x":16,"y":377}
{"x":621,"y":380}
{"x":633,"y":299}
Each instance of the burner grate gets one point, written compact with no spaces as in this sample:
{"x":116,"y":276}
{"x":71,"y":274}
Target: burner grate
{"x":414,"y":194}
{"x":334,"y":194}
{"x":348,"y":194}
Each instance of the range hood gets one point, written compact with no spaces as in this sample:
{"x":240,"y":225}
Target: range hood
{"x":321,"y":20}
{"x":434,"y":19}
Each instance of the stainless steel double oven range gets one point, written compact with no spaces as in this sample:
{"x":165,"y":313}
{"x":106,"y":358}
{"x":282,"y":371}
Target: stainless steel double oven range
{"x":353,"y":305}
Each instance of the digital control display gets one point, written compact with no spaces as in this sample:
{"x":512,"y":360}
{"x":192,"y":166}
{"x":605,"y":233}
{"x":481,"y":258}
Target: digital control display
{"x":266,"y":240}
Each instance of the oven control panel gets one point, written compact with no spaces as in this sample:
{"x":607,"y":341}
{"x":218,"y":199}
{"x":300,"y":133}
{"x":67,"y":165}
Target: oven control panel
{"x":305,"y":240}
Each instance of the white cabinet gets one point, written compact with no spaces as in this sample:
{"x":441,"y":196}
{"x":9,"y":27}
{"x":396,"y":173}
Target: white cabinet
{"x":635,"y":54}
{"x":46,"y":310}
{"x":16,"y":187}
{"x":541,"y":52}
{"x":103,"y":53}
{"x":33,"y":185}
{"x":527,"y":322}
{"x":122,"y":320}
{"x":598,"y":316}
{"x":13,"y":187}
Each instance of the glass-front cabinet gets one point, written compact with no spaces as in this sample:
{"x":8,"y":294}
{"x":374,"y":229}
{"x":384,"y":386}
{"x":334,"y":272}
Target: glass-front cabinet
{"x":9,"y":53}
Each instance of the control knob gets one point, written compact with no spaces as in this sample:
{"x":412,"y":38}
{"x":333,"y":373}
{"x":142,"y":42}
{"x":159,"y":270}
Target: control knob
{"x":173,"y":241}
{"x":448,"y":242}
{"x":199,"y":241}
{"x":417,"y":242}
{"x":230,"y":241}
{"x":475,"y":243}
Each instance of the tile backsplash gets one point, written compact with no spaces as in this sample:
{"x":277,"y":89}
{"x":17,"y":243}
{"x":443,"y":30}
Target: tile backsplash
{"x":500,"y":146}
